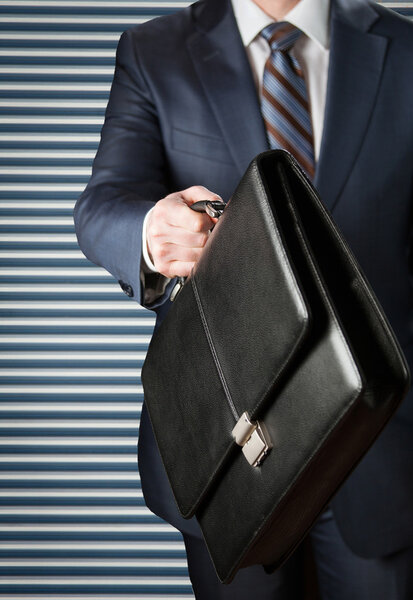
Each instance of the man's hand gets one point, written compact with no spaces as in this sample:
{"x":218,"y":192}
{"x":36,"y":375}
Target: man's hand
{"x":176,"y":234}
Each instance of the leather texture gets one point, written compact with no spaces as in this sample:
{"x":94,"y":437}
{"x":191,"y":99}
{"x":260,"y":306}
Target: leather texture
{"x":315,"y":360}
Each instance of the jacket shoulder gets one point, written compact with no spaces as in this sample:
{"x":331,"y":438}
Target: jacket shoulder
{"x":164,"y":30}
{"x":393,"y":25}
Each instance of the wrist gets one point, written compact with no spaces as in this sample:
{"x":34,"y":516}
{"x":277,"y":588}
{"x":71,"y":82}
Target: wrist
{"x":146,"y":254}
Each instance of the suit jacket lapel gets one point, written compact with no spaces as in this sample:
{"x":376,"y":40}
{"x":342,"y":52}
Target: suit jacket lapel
{"x":222,"y":65}
{"x":356,"y":61}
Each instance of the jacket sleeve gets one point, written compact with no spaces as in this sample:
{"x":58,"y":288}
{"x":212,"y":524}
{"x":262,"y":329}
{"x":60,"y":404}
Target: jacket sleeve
{"x":128,"y":177}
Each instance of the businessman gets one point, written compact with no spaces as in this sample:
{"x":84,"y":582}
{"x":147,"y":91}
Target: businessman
{"x":195,"y":96}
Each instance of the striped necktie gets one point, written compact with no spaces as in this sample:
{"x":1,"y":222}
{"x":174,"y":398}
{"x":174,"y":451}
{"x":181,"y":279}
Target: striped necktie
{"x":284,"y":102}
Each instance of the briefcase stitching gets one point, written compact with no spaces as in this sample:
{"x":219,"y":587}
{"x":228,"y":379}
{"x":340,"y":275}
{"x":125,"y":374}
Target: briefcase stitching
{"x":213,"y":351}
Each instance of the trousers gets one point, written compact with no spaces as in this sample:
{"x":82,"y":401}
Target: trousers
{"x":341,"y":574}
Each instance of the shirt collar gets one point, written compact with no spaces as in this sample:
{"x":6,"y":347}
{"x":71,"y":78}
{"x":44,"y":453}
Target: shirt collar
{"x":311,"y":16}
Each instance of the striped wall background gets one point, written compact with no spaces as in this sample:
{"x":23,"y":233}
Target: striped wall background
{"x":72,"y":519}
{"x":73,"y":524}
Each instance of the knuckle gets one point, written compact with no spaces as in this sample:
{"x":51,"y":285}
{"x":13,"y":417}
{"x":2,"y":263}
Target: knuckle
{"x":203,"y":237}
{"x":155,"y":250}
{"x":183,"y":270}
{"x":166,"y":199}
{"x":188,"y":256}
{"x":193,"y":257}
{"x":197,"y":188}
{"x":153,"y":230}
{"x":162,"y":266}
{"x":173,"y":199}
{"x":158,"y":208}
{"x":197,"y":225}
{"x":155,"y":218}
{"x":162,"y":251}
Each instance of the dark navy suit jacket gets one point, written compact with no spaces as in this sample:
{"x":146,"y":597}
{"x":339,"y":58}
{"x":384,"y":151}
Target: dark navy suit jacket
{"x":183,"y":110}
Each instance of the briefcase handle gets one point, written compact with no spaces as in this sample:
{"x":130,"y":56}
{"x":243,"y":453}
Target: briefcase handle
{"x":213,"y":208}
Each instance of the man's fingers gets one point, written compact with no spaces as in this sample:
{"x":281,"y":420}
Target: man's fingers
{"x":182,"y":216}
{"x":180,"y":269}
{"x":167,"y":253}
{"x":182,"y":237}
{"x":198,"y":192}
{"x":176,"y":234}
{"x":191,"y":220}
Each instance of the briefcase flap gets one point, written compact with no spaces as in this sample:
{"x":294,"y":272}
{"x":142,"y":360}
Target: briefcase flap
{"x":233,"y":331}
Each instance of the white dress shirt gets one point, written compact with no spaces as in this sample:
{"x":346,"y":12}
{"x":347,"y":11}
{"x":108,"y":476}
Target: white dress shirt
{"x":312,"y":52}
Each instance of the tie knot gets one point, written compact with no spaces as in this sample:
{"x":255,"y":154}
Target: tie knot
{"x":281,"y":36}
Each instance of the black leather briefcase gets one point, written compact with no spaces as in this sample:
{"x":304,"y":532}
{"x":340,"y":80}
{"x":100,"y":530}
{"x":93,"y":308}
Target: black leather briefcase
{"x":273,"y":372}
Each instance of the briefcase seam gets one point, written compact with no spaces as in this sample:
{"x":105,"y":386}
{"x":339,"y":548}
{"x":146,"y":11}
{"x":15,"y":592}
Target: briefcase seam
{"x":213,"y":350}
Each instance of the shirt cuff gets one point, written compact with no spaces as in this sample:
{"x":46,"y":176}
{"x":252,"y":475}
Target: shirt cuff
{"x":153,"y":283}
{"x":145,"y":254}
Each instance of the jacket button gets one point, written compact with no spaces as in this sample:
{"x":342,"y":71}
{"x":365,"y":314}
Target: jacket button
{"x":128,"y":289}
